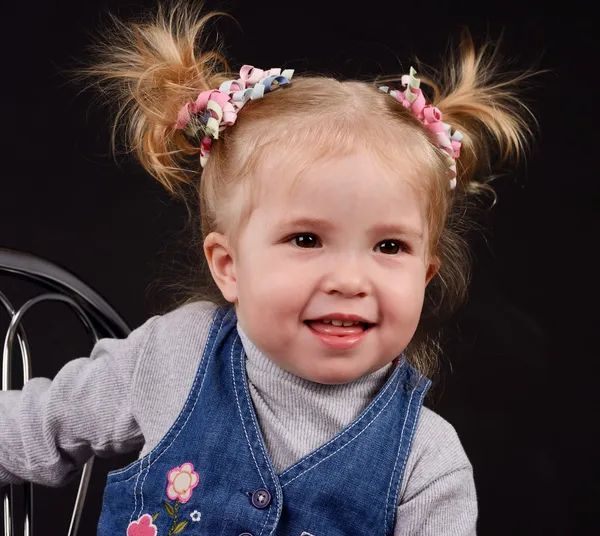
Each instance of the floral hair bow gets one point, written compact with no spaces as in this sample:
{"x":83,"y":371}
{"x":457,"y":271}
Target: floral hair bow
{"x":413,"y":99}
{"x":216,"y":109}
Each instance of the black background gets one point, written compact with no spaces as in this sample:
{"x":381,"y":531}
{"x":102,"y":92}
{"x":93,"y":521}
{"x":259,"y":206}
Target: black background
{"x":522,"y":381}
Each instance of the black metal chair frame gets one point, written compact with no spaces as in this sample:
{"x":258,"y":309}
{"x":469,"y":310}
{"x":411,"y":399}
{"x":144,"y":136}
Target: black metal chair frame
{"x":99,"y":318}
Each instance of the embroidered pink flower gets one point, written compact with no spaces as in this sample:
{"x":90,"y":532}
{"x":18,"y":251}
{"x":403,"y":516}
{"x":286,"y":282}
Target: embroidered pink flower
{"x":142,"y":527}
{"x":182,"y":480}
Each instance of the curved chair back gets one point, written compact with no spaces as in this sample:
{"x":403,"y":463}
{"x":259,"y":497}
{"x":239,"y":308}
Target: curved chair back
{"x":99,"y":318}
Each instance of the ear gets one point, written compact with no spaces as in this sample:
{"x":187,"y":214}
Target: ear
{"x":432,"y":269}
{"x":221,"y":263}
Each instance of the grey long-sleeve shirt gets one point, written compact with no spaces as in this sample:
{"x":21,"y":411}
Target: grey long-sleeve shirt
{"x":126,"y":395}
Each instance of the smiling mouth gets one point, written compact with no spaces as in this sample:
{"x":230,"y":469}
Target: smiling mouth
{"x":364,"y":325}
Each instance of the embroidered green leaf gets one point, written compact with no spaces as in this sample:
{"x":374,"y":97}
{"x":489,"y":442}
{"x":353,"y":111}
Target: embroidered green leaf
{"x":154,"y":516}
{"x":179,"y":527}
{"x":169,"y":509}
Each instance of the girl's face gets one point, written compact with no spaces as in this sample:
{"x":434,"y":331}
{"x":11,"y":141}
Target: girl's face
{"x":348,"y":239}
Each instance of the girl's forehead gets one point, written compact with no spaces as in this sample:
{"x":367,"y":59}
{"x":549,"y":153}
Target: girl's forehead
{"x":356,"y":174}
{"x":284,"y":158}
{"x":339,"y":186}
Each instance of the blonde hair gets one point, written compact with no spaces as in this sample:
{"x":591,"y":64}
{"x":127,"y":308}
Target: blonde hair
{"x":154,"y":67}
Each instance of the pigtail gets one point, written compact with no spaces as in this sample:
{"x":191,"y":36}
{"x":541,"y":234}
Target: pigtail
{"x":484,"y":104}
{"x":150,"y":69}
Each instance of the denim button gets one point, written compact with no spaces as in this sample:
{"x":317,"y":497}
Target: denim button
{"x":245,"y":534}
{"x":261,"y":498}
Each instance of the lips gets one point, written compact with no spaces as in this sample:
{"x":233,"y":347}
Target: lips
{"x":343,"y":318}
{"x":339,"y":337}
{"x":327,"y":328}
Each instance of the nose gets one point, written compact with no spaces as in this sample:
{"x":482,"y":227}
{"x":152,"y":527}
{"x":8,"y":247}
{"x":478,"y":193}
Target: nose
{"x":347,"y":275}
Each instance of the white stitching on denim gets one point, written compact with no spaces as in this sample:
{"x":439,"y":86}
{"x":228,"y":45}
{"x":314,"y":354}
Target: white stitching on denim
{"x":135,"y":492}
{"x":242,"y":418}
{"x":387,"y":499}
{"x":143,"y":482}
{"x":262,"y":448}
{"x":244,"y":426}
{"x":337,"y":437}
{"x":243,"y":369}
{"x":412,"y":434}
{"x":191,"y":411}
{"x":347,"y":443}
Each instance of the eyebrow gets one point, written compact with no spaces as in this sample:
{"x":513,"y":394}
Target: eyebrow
{"x":381,"y":228}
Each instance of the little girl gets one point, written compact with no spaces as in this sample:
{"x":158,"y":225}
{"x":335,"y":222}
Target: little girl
{"x":331,"y":213}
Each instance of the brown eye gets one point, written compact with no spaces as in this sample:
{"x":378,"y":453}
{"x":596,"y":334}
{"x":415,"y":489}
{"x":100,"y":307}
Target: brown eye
{"x":390,"y":247}
{"x":305,"y":241}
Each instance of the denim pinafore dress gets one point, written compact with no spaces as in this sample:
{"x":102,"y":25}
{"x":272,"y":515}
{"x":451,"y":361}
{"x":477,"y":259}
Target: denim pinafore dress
{"x":211,"y":474}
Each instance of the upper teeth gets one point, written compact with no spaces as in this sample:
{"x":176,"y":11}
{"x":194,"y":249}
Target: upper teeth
{"x":340,"y":323}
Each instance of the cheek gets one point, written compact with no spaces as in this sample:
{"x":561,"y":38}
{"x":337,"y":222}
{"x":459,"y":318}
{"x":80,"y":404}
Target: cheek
{"x":405,"y":295}
{"x":266,"y":280}
{"x":270,"y":267}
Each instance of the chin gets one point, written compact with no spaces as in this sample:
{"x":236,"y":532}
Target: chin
{"x":332,"y":377}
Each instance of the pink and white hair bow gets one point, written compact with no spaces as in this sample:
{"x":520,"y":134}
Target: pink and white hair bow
{"x":413,"y":99}
{"x":218,"y":108}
